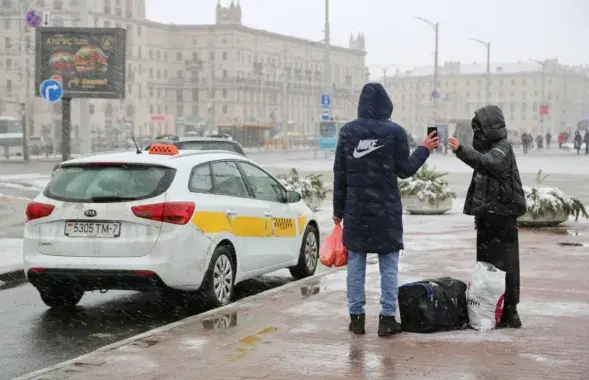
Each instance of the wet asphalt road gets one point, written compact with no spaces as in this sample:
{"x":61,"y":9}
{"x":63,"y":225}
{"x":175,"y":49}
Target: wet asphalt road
{"x":33,"y":337}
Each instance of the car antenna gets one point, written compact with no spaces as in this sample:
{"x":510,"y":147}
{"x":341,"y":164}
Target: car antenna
{"x":136,"y":145}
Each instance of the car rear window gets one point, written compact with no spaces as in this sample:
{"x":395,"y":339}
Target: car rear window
{"x":109,"y":182}
{"x":210,"y":145}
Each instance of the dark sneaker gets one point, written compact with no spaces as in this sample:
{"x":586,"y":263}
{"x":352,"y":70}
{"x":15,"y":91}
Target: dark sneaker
{"x":357,"y":322}
{"x":387,"y":326}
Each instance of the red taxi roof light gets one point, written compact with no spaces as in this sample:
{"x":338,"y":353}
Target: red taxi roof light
{"x":169,"y":212}
{"x":164,"y":149}
{"x":37,"y":210}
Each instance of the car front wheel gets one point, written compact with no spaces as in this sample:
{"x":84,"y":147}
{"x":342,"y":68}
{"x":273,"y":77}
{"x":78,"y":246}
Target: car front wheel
{"x":59,"y":296}
{"x":308,"y":254}
{"x":219,"y":280}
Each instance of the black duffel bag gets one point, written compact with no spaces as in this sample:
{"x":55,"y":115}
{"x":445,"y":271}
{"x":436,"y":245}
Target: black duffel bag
{"x":433,"y":305}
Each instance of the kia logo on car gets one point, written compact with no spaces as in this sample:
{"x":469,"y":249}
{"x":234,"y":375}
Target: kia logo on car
{"x":90,"y":213}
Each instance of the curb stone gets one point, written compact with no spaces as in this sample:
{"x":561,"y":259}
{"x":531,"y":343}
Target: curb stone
{"x":171,"y":326}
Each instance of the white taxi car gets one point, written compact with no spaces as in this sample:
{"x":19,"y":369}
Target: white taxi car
{"x":164,"y":218}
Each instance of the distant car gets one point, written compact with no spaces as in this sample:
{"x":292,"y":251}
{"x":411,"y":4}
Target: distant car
{"x":200,"y":143}
{"x":164,"y":219}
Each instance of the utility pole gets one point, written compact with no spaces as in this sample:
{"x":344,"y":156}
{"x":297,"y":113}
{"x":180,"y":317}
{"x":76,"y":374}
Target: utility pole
{"x":85,"y":129}
{"x":564,"y":98}
{"x":25,"y":82}
{"x":435,"y":94}
{"x":327,"y":85}
{"x":285,"y":78}
{"x":211,"y":103}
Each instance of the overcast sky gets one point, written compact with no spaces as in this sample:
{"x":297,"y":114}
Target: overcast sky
{"x":517,"y":29}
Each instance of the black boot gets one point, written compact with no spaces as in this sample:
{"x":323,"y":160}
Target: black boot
{"x":357,"y":322}
{"x":510,"y":318}
{"x":387,"y":326}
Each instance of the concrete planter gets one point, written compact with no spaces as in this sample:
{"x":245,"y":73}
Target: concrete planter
{"x":416,"y":206}
{"x":547,"y":220}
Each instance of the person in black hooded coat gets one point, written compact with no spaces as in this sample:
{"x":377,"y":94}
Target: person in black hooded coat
{"x":495,"y":198}
{"x":372,"y":152}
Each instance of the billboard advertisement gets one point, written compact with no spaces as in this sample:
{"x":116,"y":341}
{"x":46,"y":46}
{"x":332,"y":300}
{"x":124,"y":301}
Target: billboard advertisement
{"x":89,"y":62}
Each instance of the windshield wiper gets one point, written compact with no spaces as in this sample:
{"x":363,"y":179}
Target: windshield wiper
{"x":106,"y":199}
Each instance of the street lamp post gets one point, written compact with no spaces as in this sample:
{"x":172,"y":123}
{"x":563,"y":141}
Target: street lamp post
{"x":385,"y":70}
{"x":434,"y":94}
{"x":487,"y":45}
{"x":543,"y":64}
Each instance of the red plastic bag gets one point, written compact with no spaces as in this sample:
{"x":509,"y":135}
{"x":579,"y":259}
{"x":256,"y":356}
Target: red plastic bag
{"x":332,"y":252}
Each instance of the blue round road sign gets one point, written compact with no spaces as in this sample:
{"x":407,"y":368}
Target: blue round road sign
{"x":33,"y":18}
{"x":51,"y":90}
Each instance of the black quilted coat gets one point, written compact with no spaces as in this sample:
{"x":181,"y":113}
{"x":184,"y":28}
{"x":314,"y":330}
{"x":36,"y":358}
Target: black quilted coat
{"x":495,"y":197}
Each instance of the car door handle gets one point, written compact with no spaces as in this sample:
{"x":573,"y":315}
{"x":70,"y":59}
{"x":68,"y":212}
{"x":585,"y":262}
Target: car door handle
{"x":268,"y":214}
{"x":231,"y":212}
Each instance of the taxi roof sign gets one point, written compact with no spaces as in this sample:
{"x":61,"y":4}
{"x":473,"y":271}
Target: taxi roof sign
{"x":164,"y":149}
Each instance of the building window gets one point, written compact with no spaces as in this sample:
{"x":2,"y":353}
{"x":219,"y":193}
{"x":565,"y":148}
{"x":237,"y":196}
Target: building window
{"x":6,"y":23}
{"x":212,"y":56}
{"x":224,"y":109}
{"x":224,"y":56}
{"x":179,"y":56}
{"x":224,"y":93}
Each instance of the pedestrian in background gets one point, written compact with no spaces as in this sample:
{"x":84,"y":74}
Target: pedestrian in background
{"x":496,"y":199}
{"x":372,"y":152}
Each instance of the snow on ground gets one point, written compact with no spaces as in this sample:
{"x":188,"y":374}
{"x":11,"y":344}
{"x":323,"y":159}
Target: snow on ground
{"x":34,"y":181}
{"x":10,"y":255}
{"x":558,"y":163}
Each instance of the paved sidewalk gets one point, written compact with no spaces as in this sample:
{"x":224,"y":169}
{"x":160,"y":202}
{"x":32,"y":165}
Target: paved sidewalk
{"x":300,"y":331}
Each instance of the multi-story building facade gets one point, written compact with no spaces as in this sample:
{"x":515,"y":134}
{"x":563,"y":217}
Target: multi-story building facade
{"x":209,"y":74}
{"x":518,"y":88}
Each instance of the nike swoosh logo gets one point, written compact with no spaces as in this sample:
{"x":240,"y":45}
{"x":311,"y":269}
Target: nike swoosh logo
{"x":357,"y":154}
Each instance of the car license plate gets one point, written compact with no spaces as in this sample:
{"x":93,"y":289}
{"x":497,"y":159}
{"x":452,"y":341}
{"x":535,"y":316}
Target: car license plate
{"x":92,"y":229}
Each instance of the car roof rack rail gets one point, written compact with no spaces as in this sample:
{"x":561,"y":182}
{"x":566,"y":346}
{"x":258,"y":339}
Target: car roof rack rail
{"x":188,"y":153}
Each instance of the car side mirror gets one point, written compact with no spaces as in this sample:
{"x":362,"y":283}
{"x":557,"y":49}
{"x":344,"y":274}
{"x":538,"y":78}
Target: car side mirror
{"x":293,"y":196}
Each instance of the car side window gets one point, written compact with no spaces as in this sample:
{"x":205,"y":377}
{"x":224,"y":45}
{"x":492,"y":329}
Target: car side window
{"x":201,"y":179}
{"x":263,"y":186}
{"x":228,"y":180}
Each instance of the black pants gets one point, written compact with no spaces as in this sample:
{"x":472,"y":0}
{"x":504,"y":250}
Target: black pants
{"x":498,"y":244}
{"x":526,"y":148}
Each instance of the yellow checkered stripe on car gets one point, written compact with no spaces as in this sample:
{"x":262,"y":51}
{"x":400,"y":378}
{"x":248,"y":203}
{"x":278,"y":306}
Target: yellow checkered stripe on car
{"x":284,"y":227}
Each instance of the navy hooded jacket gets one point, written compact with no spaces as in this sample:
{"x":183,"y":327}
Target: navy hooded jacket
{"x":372,"y":152}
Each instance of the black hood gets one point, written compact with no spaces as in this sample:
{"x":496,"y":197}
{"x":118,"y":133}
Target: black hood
{"x":374,"y":103}
{"x":488,"y":126}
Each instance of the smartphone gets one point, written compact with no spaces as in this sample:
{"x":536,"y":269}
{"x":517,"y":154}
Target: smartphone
{"x":432,"y":129}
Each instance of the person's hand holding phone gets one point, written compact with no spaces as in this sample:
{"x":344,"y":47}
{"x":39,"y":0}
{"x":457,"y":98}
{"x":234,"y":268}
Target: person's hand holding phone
{"x":432,"y":141}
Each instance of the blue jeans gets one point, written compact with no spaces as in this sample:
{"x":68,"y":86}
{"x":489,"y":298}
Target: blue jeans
{"x":389,"y":284}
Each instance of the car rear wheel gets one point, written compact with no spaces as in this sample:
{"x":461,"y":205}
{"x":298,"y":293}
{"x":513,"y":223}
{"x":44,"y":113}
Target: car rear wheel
{"x":308,"y":254}
{"x":60,"y":296}
{"x":219,"y":280}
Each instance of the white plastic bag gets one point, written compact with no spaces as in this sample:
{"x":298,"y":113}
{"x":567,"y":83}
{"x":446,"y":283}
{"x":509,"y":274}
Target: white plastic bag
{"x":485,"y":296}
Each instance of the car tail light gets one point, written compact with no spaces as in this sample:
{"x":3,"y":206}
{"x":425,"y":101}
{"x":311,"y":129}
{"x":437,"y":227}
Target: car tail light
{"x":36,"y":210}
{"x":169,"y":212}
{"x":144,"y":272}
{"x":36,"y":270}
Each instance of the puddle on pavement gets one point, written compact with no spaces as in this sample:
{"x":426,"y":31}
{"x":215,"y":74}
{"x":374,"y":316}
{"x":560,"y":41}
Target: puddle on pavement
{"x":560,"y":231}
{"x":573,"y":244}
{"x":310,"y":290}
{"x":220,"y":321}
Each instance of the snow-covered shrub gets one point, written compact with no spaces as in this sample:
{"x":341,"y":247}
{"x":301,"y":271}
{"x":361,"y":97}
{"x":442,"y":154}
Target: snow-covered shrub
{"x":310,"y":187}
{"x":427,"y":185}
{"x":543,"y":201}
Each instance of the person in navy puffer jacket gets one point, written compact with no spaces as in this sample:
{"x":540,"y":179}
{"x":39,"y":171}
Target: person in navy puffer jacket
{"x":372,"y":152}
